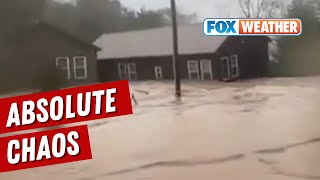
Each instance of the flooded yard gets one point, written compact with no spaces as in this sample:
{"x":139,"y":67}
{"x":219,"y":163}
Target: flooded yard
{"x":257,"y":129}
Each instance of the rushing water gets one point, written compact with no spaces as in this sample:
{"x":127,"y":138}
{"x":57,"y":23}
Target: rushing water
{"x":258,"y":129}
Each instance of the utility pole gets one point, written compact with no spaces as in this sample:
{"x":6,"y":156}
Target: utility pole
{"x":175,"y":58}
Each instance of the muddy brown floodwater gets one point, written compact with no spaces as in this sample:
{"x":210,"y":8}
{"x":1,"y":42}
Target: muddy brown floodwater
{"x":259,"y":129}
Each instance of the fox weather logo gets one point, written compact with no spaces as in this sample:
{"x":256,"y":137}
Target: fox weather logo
{"x":263,"y":27}
{"x":226,"y":27}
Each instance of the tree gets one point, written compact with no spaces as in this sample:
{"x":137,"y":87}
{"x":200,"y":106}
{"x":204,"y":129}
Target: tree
{"x":91,"y":18}
{"x":61,"y":15}
{"x":262,"y":8}
{"x":181,"y":17}
{"x":99,"y":16}
{"x":87,"y":19}
{"x":144,"y":19}
{"x":16,"y":12}
{"x":265,"y":9}
{"x":299,"y":56}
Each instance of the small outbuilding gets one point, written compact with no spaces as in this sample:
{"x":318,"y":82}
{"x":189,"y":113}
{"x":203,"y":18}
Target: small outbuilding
{"x":147,"y":55}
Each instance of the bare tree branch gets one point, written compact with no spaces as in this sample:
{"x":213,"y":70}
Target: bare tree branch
{"x":262,"y":8}
{"x":259,"y":8}
{"x":265,"y":9}
{"x":248,"y":8}
{"x":244,"y":11}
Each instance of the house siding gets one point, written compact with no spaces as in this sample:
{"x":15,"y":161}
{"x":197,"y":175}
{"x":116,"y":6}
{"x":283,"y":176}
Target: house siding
{"x":108,"y":69}
{"x":252,"y":61}
{"x":31,"y":59}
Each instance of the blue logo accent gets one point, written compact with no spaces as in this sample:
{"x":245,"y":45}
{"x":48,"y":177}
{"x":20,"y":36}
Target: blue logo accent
{"x":221,"y":26}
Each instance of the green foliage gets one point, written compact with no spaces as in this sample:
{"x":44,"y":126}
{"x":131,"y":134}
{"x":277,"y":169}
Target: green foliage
{"x":299,"y":56}
{"x":13,"y":13}
{"x":90,"y":18}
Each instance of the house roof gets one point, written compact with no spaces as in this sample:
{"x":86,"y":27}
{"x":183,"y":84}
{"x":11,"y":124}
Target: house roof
{"x":156,"y":42}
{"x":68,"y":35}
{"x":22,"y":31}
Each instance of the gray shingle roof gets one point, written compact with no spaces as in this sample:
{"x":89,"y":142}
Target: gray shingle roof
{"x":156,"y":42}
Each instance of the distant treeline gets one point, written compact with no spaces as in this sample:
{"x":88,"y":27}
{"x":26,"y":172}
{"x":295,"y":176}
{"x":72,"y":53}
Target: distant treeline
{"x":300,"y":56}
{"x":91,"y":18}
{"x":87,"y":19}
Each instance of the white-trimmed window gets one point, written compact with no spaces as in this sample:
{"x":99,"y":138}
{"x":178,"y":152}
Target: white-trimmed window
{"x":234,"y":66}
{"x":158,"y":72}
{"x":193,"y":69}
{"x":127,"y":71}
{"x":206,"y":70}
{"x":80,"y":67}
{"x":62,"y":64}
{"x":132,"y":71}
{"x":123,"y":72}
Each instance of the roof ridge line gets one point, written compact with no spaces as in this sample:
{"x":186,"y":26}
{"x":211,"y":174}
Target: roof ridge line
{"x":149,"y":29}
